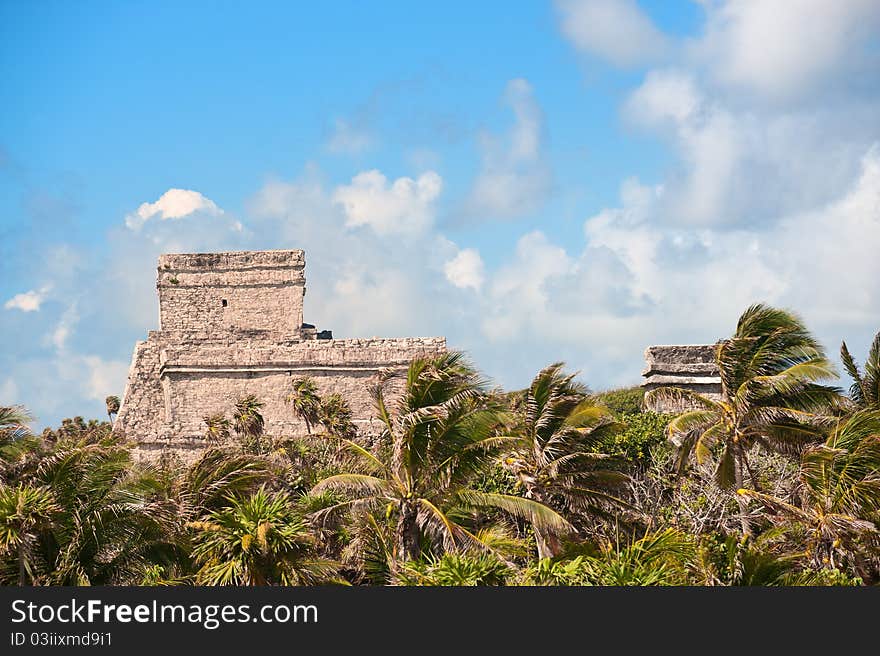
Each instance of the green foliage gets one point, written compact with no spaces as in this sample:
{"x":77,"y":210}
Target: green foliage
{"x":336,"y":417}
{"x":661,"y":558}
{"x":216,"y":428}
{"x":553,"y":452}
{"x":25,"y":511}
{"x":78,"y":429}
{"x":112,"y":403}
{"x":14,"y":420}
{"x":305,"y":401}
{"x":247,"y":419}
{"x":109,"y":528}
{"x":842,"y":489}
{"x":641,"y":432}
{"x":865,"y":389}
{"x":257,"y":540}
{"x":622,"y":401}
{"x":463,"y":483}
{"x":17,"y":444}
{"x":453,"y":569}
{"x":497,"y":479}
{"x":442,"y":437}
{"x":823,"y":577}
{"x":567,"y":572}
{"x":731,"y":560}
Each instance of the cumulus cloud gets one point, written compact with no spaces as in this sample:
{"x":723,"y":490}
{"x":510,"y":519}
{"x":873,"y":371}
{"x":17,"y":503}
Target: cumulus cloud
{"x":515,"y":177}
{"x":405,"y":206}
{"x":640,"y":279}
{"x":739,"y":165}
{"x":465,"y":270}
{"x":782,"y":50}
{"x":29,"y":301}
{"x":385,"y":280}
{"x":173,"y":204}
{"x":103,"y":377}
{"x":615,"y":30}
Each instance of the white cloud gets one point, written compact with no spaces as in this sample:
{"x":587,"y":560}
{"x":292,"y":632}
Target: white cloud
{"x":782,"y":50}
{"x":664,"y":97}
{"x":64,"y":327}
{"x":29,"y":301}
{"x":360,"y":284}
{"x":104,"y":377}
{"x":9,"y":392}
{"x":639,"y":279}
{"x":616,"y":30}
{"x":517,"y":294}
{"x":406,"y":206}
{"x":514,"y":178}
{"x":830,"y":254}
{"x":348,"y":138}
{"x":739,"y":165}
{"x":465,"y":269}
{"x":173,"y":204}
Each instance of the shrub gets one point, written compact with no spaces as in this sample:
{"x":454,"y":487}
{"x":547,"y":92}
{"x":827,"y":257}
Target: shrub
{"x":642,"y":432}
{"x":623,"y":401}
{"x":660,"y":558}
{"x":455,"y":570}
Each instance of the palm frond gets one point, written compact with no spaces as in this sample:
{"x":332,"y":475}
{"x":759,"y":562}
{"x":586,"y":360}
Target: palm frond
{"x":354,"y":484}
{"x":536,"y":513}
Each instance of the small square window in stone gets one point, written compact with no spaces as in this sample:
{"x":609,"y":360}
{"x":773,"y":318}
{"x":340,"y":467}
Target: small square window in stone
{"x":224,"y":302}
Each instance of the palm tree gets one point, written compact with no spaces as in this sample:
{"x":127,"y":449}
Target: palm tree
{"x":841,"y":479}
{"x":16,"y":440}
{"x":865,"y":389}
{"x":25,"y":511}
{"x":336,"y":417}
{"x":112,"y":403}
{"x":770,"y":396}
{"x":216,"y":428}
{"x":110,"y":525}
{"x":441,"y":437}
{"x":248,"y":420}
{"x":306,"y":401}
{"x":554,"y":430}
{"x":14,"y":420}
{"x":257,"y":540}
{"x":216,"y":476}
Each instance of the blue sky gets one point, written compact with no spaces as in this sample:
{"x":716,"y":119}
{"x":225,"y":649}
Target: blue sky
{"x":537,"y":181}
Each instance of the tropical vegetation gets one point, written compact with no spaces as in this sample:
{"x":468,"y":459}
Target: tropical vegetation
{"x":773,"y":481}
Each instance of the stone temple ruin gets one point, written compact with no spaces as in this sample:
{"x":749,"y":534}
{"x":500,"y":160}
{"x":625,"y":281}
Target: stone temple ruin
{"x":688,"y":366}
{"x":231,"y":324}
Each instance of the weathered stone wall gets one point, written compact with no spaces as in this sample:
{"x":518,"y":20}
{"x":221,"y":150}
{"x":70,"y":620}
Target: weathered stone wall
{"x":143,"y":409}
{"x":172,"y":387}
{"x":207,"y":355}
{"x":686,"y":366}
{"x":194,"y":395}
{"x":224,"y":291}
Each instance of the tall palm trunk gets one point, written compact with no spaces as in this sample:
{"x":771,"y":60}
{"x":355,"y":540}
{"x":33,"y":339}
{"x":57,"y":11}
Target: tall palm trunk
{"x":407,"y":533}
{"x":548,"y":543}
{"x":742,"y":502}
